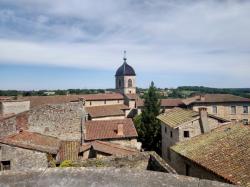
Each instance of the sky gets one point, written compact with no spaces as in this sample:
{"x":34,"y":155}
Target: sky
{"x":64,"y":44}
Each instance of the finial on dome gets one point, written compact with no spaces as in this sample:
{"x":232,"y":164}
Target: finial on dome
{"x":124,"y":56}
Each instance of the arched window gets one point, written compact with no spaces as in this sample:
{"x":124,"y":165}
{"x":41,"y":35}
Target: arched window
{"x":130,"y":83}
{"x":119,"y":83}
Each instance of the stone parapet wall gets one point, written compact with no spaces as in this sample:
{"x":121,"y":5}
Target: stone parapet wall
{"x":75,"y":177}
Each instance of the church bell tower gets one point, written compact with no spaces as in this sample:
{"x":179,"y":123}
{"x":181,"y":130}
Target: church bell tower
{"x":125,"y":78}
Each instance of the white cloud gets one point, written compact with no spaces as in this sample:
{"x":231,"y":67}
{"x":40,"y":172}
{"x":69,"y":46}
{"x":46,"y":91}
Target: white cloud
{"x":181,"y":36}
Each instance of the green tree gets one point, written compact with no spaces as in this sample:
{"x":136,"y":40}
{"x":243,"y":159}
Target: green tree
{"x":148,"y":126}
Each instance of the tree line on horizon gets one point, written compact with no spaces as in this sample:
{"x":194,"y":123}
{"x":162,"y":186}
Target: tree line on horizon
{"x":179,"y":92}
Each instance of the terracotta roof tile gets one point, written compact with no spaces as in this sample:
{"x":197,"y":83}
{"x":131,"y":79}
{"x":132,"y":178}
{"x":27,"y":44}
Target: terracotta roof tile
{"x":140,"y":102}
{"x":106,"y":96}
{"x":132,"y":96}
{"x":107,"y":110}
{"x":215,"y":98}
{"x":171,"y":102}
{"x":107,"y":129}
{"x":33,"y":141}
{"x":69,"y":150}
{"x":177,"y":116}
{"x":6,"y":98}
{"x":36,"y":101}
{"x":164,"y":102}
{"x":112,"y":148}
{"x":225,"y":151}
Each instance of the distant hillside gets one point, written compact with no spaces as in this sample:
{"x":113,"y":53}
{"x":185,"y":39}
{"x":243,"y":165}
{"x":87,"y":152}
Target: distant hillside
{"x":187,"y":91}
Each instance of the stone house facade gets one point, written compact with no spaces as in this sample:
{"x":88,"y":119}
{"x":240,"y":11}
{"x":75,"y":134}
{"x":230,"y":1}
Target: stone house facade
{"x":227,"y":106}
{"x":15,"y":158}
{"x":13,"y":106}
{"x":27,"y":150}
{"x":179,"y":125}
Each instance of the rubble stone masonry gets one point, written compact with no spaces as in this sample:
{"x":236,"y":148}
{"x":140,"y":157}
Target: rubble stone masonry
{"x":59,"y":120}
{"x":21,"y":159}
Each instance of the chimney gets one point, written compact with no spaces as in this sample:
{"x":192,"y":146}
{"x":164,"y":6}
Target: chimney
{"x":120,"y":130}
{"x":204,"y":120}
{"x":202,"y":98}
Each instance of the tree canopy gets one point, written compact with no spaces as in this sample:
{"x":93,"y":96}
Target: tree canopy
{"x":148,"y":126}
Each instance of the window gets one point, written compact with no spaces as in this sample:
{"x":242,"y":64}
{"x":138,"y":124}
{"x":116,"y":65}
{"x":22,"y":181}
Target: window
{"x":90,"y":103}
{"x":171,"y":134}
{"x":245,"y":121}
{"x":214,"y":109}
{"x":130,"y":83}
{"x":118,"y":101}
{"x":245,"y":109}
{"x":5,"y":165}
{"x":233,"y":109}
{"x":165,"y":129}
{"x":104,"y":101}
{"x":186,"y":134}
{"x":119,"y":83}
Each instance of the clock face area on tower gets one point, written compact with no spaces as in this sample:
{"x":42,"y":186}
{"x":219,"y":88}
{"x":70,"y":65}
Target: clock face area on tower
{"x":125,"y":79}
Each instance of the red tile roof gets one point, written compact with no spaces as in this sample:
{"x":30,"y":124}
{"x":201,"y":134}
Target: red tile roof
{"x":132,"y":96}
{"x":215,"y":98}
{"x":107,"y":110}
{"x":107,"y":129}
{"x":33,"y":141}
{"x":4,"y":98}
{"x":69,"y":150}
{"x":224,"y":151}
{"x":164,"y":102}
{"x":36,"y":101}
{"x":140,"y":102}
{"x":109,"y":148}
{"x":171,"y":102}
{"x":105,"y":96}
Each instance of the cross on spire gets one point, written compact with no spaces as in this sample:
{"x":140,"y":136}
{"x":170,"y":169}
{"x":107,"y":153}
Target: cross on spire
{"x":124,"y":56}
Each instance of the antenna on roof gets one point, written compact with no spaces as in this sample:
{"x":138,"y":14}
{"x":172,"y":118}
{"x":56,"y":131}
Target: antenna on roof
{"x":124,"y":56}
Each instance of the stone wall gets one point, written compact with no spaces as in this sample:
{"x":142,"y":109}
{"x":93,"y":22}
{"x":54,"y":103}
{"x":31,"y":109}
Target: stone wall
{"x":192,"y":127}
{"x":14,"y":107}
{"x":97,"y":177}
{"x":21,"y":159}
{"x":180,"y":164}
{"x":124,"y":84}
{"x":7,"y":126}
{"x":12,"y":124}
{"x":224,"y":110}
{"x":59,"y":120}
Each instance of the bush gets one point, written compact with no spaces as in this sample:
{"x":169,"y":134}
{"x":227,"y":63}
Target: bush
{"x":66,"y":163}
